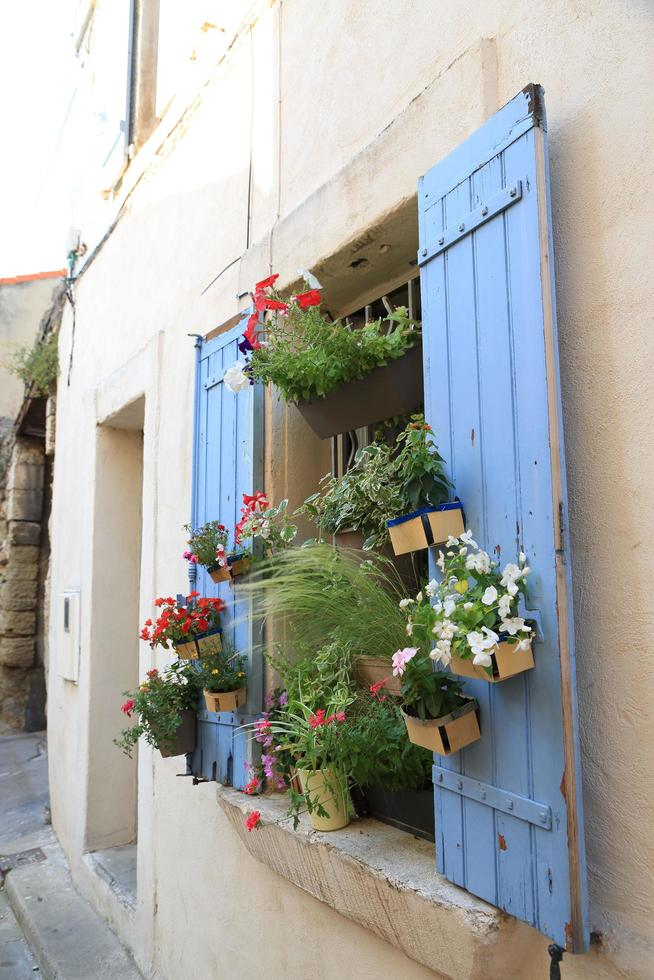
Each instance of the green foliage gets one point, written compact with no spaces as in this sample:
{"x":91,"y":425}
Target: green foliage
{"x":37,"y":366}
{"x":428,"y":693}
{"x":384,"y":482}
{"x":380,"y":753}
{"x":306,"y":355}
{"x":223,"y":671}
{"x":159,"y":702}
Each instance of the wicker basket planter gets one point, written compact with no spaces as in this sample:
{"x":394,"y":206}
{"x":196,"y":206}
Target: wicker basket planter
{"x":447,"y":734}
{"x":225,"y":700}
{"x":200,"y":646}
{"x":506,"y":662}
{"x":426,"y":527}
{"x":394,"y":389}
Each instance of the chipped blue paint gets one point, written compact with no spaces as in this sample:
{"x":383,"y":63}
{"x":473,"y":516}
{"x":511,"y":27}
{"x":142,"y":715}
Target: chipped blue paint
{"x":491,"y":396}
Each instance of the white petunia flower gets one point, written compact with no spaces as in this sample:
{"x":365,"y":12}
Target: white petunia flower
{"x":409,"y":629}
{"x":512,"y":626}
{"x":406,"y":602}
{"x":431,"y":588}
{"x":466,"y":537}
{"x":489,"y":596}
{"x":523,"y":645}
{"x":440,"y":561}
{"x":463,"y":551}
{"x":468,"y":605}
{"x":448,"y":630}
{"x":438,"y":607}
{"x":479,"y":562}
{"x":442,"y":652}
{"x":451,"y":541}
{"x":522,"y":558}
{"x":419,"y":597}
{"x":449,"y":606}
{"x":505,"y":605}
{"x":235,"y":378}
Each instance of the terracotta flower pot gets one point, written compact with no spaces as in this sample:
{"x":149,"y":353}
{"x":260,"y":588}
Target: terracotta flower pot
{"x":394,"y":389}
{"x":371,"y":670}
{"x":184,"y":737}
{"x":426,"y":527}
{"x":329,"y":789}
{"x":200,"y":646}
{"x":447,"y":734}
{"x":506,"y":662}
{"x":225,"y":700}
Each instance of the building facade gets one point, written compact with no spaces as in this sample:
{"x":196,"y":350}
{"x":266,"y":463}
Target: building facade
{"x":295,"y":141}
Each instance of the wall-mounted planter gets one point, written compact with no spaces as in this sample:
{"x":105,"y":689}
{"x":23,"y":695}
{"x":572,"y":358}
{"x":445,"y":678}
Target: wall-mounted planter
{"x":447,"y":734}
{"x":426,"y":527}
{"x":506,"y":662}
{"x":225,"y":700}
{"x":371,"y":670}
{"x":236,"y":565}
{"x":394,"y":389}
{"x":184,"y":737}
{"x":329,"y":789}
{"x":200,"y":646}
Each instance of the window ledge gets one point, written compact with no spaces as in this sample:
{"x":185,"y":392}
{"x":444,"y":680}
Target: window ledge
{"x":385,"y":880}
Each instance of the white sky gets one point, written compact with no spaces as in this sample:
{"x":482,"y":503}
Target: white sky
{"x":36,"y":81}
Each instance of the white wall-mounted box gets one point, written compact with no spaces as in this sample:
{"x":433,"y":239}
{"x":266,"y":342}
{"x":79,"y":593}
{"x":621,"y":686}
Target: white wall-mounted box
{"x":68,"y":634}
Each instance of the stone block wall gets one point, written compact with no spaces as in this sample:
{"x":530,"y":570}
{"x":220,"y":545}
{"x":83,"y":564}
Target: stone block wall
{"x":22,"y":575}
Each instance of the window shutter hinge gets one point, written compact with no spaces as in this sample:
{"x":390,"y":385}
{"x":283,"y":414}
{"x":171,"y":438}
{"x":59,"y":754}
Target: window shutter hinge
{"x":561,"y":529}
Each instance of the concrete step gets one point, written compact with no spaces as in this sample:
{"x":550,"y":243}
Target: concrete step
{"x":69,"y":940}
{"x":16,"y":960}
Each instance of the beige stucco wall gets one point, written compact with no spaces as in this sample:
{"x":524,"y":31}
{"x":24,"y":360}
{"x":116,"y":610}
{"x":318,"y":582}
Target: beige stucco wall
{"x":22,"y":306}
{"x":369,"y":96}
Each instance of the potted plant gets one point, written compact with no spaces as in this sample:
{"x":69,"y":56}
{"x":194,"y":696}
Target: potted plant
{"x":398,"y":491}
{"x":340,"y":376}
{"x":207,"y":546}
{"x":223,"y":681}
{"x":191,"y":626}
{"x":437,"y":715}
{"x":165,"y":705}
{"x":269,"y":526}
{"x":471,"y":615}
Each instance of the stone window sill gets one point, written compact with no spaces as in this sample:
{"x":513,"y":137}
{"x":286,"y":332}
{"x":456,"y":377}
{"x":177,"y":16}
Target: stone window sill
{"x":385,"y":880}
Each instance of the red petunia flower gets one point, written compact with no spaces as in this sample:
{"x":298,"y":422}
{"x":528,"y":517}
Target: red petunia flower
{"x":252,"y":787}
{"x":310,"y":298}
{"x":266,"y":283}
{"x":153,"y":673}
{"x":253,"y":820}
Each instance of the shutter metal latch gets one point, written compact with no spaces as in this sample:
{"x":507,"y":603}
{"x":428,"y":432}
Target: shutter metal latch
{"x":472,"y":220}
{"x":556,"y":955}
{"x":520,"y":807}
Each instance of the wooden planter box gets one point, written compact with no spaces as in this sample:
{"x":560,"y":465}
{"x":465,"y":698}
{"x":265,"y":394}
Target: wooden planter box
{"x":506,"y":662}
{"x":447,"y":734}
{"x":225,"y":700}
{"x":185,"y":737}
{"x":426,"y":527}
{"x":370,"y":670}
{"x":200,"y":646}
{"x":324,"y":786}
{"x":349,"y":539}
{"x":236,"y":565}
{"x":394,"y":389}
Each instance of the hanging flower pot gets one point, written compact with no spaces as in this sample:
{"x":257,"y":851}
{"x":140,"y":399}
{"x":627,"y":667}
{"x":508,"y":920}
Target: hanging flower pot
{"x":239,"y":564}
{"x":327,"y":788}
{"x":506,"y":661}
{"x":225,"y":700}
{"x":200,"y":646}
{"x":372,"y":670}
{"x":426,"y":527}
{"x":184,"y":737}
{"x":218,"y":573}
{"x":448,"y":734}
{"x":394,"y":389}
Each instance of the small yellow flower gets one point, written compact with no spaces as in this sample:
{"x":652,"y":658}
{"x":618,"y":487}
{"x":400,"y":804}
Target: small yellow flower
{"x":241,"y":674}
{"x":215,"y":671}
{"x":461,"y":587}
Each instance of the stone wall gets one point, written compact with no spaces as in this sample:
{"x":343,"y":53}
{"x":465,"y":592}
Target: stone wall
{"x":22,"y":574}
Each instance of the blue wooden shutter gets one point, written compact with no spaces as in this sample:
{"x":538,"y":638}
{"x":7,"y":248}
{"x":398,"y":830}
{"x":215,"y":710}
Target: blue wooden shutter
{"x":508,"y":809}
{"x":227,"y":462}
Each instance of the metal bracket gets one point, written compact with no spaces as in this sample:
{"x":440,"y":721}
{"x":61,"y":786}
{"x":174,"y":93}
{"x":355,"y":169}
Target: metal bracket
{"x":211,"y":382}
{"x":499,"y":799}
{"x":472,"y":220}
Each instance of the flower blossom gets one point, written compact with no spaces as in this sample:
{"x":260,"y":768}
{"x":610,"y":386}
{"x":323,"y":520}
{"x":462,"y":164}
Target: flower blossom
{"x":401,"y":658}
{"x":127,"y":707}
{"x":377,"y":687}
{"x":514,"y":625}
{"x":489,"y":596}
{"x":253,"y":821}
{"x":481,"y":645}
{"x":236,"y":379}
{"x":479,"y":562}
{"x":310,"y":298}
{"x":466,"y":537}
{"x":406,"y":602}
{"x":442,"y":652}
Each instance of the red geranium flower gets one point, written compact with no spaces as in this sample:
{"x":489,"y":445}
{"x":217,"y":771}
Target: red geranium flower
{"x":310,"y":298}
{"x":127,"y":707}
{"x":253,"y":820}
{"x":153,"y":672}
